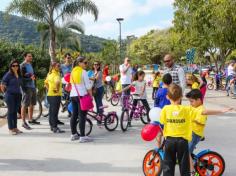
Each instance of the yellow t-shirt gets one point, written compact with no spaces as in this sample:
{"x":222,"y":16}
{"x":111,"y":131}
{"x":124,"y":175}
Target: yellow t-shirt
{"x":195,"y":85}
{"x":156,"y":81}
{"x":118,"y":86}
{"x":51,"y":80}
{"x":177,"y":121}
{"x":199,"y":122}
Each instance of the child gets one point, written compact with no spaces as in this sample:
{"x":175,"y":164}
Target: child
{"x":156,"y":82}
{"x":193,"y":82}
{"x":160,"y":99}
{"x":140,"y":92}
{"x":199,"y":122}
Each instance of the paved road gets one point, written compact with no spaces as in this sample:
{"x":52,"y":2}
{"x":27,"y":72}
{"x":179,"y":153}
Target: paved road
{"x":38,"y":152}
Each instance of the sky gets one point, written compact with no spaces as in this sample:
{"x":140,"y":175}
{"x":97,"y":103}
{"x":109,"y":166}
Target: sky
{"x":140,"y":16}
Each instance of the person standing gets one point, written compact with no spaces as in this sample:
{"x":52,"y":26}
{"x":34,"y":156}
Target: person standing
{"x":125,"y":77}
{"x":177,"y":72}
{"x":98,"y":87}
{"x":80,"y":87}
{"x":105,"y":72}
{"x":29,"y":91}
{"x":67,"y":66}
{"x":11,"y":83}
{"x":54,"y":87}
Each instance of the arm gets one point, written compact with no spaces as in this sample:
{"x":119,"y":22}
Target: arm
{"x":4,"y":83}
{"x":216,"y":112}
{"x":124,"y":69}
{"x":87,"y":83}
{"x":126,"y":88}
{"x":25,"y":76}
{"x":182,"y":80}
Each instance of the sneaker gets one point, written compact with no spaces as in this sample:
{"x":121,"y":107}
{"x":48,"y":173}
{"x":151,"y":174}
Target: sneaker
{"x":60,"y":122}
{"x":69,"y":115}
{"x":233,"y":97}
{"x":58,"y":130}
{"x":12,"y":132}
{"x":85,"y":139}
{"x":74,"y":137}
{"x":34,"y":122}
{"x":18,"y":131}
{"x":26,"y":126}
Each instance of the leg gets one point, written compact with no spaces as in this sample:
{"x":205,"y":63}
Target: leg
{"x":183,"y":157}
{"x":33,"y":101}
{"x":82,"y":121}
{"x":10,"y":100}
{"x":147,"y":107}
{"x":18,"y":101}
{"x":99,"y":99}
{"x":154,"y":92}
{"x":75,"y":114}
{"x":135,"y":102}
{"x":25,"y":104}
{"x":124,"y":94}
{"x":96,"y":102}
{"x":50,"y":102}
{"x":170,"y":157}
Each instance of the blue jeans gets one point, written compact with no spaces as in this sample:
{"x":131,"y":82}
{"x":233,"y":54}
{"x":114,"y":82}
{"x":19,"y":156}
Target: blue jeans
{"x":13,"y":104}
{"x":195,"y":140}
{"x":98,"y":99}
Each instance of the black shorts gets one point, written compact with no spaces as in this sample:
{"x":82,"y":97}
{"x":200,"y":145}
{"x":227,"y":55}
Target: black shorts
{"x":29,"y":97}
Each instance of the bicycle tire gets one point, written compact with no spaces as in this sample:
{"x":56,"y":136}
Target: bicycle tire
{"x":147,"y":117}
{"x":155,"y":168}
{"x":124,"y":118}
{"x":210,"y":86}
{"x":39,"y":110}
{"x":210,"y":155}
{"x":88,"y":127}
{"x":115,"y":99}
{"x":111,"y":119}
{"x":3,"y":107}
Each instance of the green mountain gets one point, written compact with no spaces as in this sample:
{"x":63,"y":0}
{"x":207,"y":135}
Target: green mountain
{"x":20,"y":29}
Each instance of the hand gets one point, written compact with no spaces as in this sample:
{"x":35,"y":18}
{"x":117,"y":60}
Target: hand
{"x":33,"y":77}
{"x":141,"y":94}
{"x":55,"y":90}
{"x":227,"y":110}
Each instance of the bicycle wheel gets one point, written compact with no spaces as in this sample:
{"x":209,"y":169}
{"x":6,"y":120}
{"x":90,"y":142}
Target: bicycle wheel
{"x":45,"y":109}
{"x":115,"y":100}
{"x":37,"y":110}
{"x":88,"y":127}
{"x":111,"y":122}
{"x":3,"y":107}
{"x":124,"y":120}
{"x":145,"y":117}
{"x":108,"y":94}
{"x":210,"y":164}
{"x":152,"y":164}
{"x":210,"y":86}
{"x":131,"y":98}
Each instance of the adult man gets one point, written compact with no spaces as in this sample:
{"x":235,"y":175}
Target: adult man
{"x":125,"y":76}
{"x":177,"y":72}
{"x":29,"y":90}
{"x":67,"y":66}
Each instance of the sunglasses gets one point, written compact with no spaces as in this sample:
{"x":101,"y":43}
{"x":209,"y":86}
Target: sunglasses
{"x":128,"y":60}
{"x":96,"y":64}
{"x":15,"y":66}
{"x":166,"y":61}
{"x":85,"y":63}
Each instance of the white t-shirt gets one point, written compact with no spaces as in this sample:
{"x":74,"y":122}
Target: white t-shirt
{"x":125,"y":78}
{"x":230,"y":70}
{"x":82,"y":87}
{"x":139,"y":86}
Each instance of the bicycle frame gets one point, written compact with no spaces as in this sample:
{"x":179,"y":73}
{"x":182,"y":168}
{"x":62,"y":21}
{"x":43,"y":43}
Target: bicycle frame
{"x":94,"y":115}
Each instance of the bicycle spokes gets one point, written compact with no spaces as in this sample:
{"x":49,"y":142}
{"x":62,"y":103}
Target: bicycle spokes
{"x":152,"y":164}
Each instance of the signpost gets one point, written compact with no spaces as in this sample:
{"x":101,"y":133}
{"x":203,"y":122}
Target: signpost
{"x":190,"y":54}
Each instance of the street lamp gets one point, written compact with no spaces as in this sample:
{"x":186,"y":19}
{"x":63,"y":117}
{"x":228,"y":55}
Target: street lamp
{"x":119,"y":21}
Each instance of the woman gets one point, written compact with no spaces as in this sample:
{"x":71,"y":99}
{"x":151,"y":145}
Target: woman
{"x":81,"y":86}
{"x":54,"y":86}
{"x":98,"y":88}
{"x":11,"y":85}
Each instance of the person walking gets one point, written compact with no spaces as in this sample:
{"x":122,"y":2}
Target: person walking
{"x":54,"y":86}
{"x":98,"y":88}
{"x":177,"y":72}
{"x":29,"y":91}
{"x":125,"y":77}
{"x":11,"y":85}
{"x":80,"y":87}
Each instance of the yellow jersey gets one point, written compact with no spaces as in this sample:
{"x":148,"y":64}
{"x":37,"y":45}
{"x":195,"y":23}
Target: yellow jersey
{"x":195,"y":85}
{"x":199,"y":122}
{"x":118,"y":86}
{"x":51,"y":80}
{"x":156,"y":81}
{"x":177,"y":121}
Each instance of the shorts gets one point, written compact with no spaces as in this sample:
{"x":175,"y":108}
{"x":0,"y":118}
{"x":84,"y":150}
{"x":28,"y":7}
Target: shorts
{"x":29,"y":97}
{"x":195,"y":140}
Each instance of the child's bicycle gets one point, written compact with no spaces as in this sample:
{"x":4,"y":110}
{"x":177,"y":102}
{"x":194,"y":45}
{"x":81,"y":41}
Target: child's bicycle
{"x":109,"y":120}
{"x":116,"y":97}
{"x":138,"y":113}
{"x":206,"y":163}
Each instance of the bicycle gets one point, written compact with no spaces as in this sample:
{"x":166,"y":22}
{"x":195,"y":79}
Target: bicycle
{"x":108,"y":90}
{"x":212,"y":84}
{"x":116,"y":97}
{"x":109,"y":120}
{"x":139,"y":112}
{"x":206,"y":162}
{"x":3,"y":106}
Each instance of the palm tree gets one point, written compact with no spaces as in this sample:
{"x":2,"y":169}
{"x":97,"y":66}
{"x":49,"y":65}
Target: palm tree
{"x":52,"y":12}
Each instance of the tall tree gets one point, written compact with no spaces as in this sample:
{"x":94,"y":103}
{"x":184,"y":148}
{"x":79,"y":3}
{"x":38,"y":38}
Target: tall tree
{"x":52,"y":12}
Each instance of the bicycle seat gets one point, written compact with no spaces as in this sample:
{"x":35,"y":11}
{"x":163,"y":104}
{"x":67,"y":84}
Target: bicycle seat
{"x":103,"y":107}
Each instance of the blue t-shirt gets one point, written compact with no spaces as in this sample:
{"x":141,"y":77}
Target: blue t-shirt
{"x":12,"y":83}
{"x":66,"y":69}
{"x":160,"y":98}
{"x":27,"y":71}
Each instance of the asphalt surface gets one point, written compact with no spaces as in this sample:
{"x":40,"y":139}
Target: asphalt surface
{"x":38,"y":152}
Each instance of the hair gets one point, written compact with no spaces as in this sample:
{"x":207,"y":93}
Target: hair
{"x":80,"y":59}
{"x":167,"y":79}
{"x":10,"y":68}
{"x":52,"y":65}
{"x":157,"y":74}
{"x":193,"y":78}
{"x":139,"y":73}
{"x":67,"y":54}
{"x":194,"y":94}
{"x":26,"y":53}
{"x":99,"y":63}
{"x":175,"y":92}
